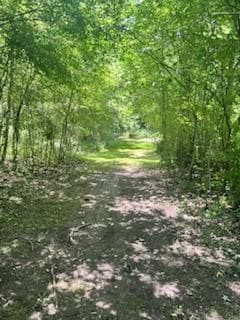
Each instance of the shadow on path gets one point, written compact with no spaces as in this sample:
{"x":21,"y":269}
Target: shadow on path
{"x":132,"y":251}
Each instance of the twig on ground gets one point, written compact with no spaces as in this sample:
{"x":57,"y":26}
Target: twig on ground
{"x":54,"y":286}
{"x":29,"y":241}
{"x":72,"y":232}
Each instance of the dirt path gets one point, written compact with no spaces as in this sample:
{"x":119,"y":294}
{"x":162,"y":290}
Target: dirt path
{"x":132,"y":249}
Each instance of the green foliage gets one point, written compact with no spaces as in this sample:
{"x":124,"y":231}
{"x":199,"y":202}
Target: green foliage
{"x":183,"y":69}
{"x":74,"y":75}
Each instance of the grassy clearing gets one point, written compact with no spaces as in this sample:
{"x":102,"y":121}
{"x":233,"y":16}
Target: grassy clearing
{"x":133,"y":152}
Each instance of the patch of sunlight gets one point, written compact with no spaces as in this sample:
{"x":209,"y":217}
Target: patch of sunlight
{"x":163,"y":209}
{"x":138,"y":246}
{"x":51,"y":309}
{"x":106,"y":306}
{"x":36,"y":316}
{"x":168,"y":290}
{"x":123,"y":161}
{"x":203,"y":253}
{"x":86,"y":280}
{"x":235,"y":287}
{"x":17,"y":200}
{"x":8,"y":303}
{"x":213,"y":315}
{"x":131,"y":152}
{"x":159,"y":289}
{"x":144,"y":315}
{"x":9,"y":248}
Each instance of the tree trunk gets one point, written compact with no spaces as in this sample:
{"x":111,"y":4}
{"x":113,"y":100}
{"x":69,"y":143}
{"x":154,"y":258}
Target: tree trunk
{"x":61,"y":154}
{"x":7,"y":115}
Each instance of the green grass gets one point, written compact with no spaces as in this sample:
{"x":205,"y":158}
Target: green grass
{"x":133,"y":152}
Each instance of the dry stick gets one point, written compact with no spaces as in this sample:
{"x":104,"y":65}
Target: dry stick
{"x":29,"y":242}
{"x":83,"y":226}
{"x":71,"y":234}
{"x":54,"y":286}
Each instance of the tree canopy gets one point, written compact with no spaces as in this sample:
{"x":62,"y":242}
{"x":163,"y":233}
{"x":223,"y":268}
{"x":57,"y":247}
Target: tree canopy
{"x":73,"y":75}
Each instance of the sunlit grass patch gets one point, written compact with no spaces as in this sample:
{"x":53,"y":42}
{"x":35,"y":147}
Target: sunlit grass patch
{"x":132,"y":152}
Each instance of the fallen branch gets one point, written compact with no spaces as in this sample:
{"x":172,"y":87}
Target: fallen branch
{"x":30,"y":242}
{"x":54,"y":286}
{"x":74,"y":230}
{"x":83,"y":226}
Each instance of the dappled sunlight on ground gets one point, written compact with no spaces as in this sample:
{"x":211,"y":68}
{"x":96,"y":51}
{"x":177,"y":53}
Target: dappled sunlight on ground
{"x":145,"y":206}
{"x":127,"y":152}
{"x":106,"y":306}
{"x":36,"y":316}
{"x":169,"y":290}
{"x":130,"y":249}
{"x":8,"y":248}
{"x":213,"y":315}
{"x":86,"y":280}
{"x":138,"y":246}
{"x":235,"y":287}
{"x":195,"y":251}
{"x":159,"y":289}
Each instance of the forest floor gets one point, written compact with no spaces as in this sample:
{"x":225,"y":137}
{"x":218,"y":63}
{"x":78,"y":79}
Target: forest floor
{"x":114,"y":238}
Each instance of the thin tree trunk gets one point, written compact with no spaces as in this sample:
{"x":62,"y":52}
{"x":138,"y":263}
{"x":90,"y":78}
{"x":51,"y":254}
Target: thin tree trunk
{"x":61,"y":154}
{"x":7,"y":115}
{"x":17,"y":117}
{"x":193,"y":145}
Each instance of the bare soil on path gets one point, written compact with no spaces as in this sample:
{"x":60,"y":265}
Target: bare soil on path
{"x":131,"y":247}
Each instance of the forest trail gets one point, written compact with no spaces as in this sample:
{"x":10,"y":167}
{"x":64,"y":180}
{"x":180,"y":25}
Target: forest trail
{"x":127,"y":245}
